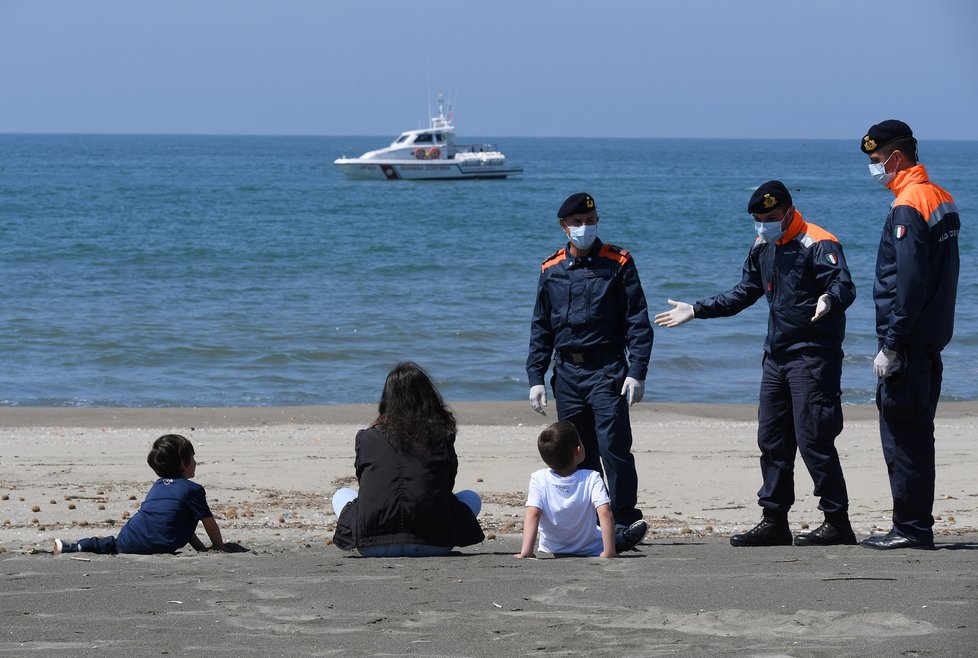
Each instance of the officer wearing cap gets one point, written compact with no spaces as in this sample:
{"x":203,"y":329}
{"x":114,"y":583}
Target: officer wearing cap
{"x":802,"y":271}
{"x":914,"y":293}
{"x":590,"y":309}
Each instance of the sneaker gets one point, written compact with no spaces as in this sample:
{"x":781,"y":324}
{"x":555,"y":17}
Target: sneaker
{"x":769,"y":532}
{"x":64,"y":547}
{"x":827,"y":534}
{"x":627,"y":539}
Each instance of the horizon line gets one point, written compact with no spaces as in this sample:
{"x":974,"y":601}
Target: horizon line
{"x":387,"y":136}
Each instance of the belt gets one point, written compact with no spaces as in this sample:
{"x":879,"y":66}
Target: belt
{"x":602,"y":353}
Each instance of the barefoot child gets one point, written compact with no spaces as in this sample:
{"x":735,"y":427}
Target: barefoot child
{"x":167,"y":519}
{"x":562,"y":502}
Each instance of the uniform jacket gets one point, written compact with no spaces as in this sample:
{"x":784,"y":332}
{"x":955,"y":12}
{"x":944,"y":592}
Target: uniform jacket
{"x":793,"y":273}
{"x":405,"y":498}
{"x":589,"y":303}
{"x":917,"y":265}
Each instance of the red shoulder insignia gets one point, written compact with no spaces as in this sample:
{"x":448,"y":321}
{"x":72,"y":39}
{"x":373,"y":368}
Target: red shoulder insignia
{"x":615,"y":253}
{"x":553,"y":259}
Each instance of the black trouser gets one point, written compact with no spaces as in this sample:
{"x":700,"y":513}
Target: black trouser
{"x":588,"y":395}
{"x":907,"y":402}
{"x":800,"y":410}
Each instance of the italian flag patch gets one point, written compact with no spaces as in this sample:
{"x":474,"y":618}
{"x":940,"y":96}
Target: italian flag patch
{"x":899,"y":231}
{"x":832,"y":259}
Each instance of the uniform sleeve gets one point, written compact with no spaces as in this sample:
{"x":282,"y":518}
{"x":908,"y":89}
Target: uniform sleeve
{"x":535,"y":494}
{"x":638,"y":327}
{"x":832,"y":274}
{"x":599,"y":493}
{"x":732,"y":302}
{"x":912,"y":272}
{"x":541,"y":336}
{"x":197,"y":502}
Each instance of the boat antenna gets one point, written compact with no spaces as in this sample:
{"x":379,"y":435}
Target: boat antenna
{"x":428,"y":90}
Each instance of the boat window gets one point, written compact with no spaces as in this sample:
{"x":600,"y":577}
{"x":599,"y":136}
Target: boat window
{"x":401,"y":139}
{"x":438,"y":137}
{"x":423,"y":139}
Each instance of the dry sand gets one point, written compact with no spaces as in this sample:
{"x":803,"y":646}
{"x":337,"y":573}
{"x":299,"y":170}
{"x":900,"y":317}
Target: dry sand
{"x":269,"y":472}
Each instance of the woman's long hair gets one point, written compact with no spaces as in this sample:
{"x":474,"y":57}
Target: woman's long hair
{"x":412,"y":410}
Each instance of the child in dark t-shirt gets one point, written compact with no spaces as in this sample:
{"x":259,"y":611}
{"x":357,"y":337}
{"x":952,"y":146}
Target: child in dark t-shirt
{"x":167,"y":519}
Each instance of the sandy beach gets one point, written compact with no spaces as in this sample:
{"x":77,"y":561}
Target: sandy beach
{"x":269,"y":472}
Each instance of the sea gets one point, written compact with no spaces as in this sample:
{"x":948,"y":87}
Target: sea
{"x":158,"y":271}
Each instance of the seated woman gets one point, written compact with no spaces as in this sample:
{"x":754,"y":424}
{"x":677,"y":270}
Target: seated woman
{"x":406,"y":466}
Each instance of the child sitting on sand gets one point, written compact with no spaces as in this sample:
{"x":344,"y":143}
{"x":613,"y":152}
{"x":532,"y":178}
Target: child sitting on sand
{"x":562,"y":502}
{"x":167,"y":519}
{"x":406,"y":466}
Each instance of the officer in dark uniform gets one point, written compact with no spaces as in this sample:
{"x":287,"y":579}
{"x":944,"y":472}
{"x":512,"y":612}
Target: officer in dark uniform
{"x":802,"y":271}
{"x":589,"y":310}
{"x":915,"y":292}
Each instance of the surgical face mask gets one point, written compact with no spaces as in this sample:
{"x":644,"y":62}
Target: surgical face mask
{"x":878,"y":171}
{"x":768,"y":231}
{"x":583,"y":237}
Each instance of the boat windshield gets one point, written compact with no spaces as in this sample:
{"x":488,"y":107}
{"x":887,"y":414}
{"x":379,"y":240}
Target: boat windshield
{"x":401,"y":139}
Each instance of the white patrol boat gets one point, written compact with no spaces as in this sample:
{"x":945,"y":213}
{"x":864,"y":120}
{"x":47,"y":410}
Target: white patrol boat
{"x":429,"y":154}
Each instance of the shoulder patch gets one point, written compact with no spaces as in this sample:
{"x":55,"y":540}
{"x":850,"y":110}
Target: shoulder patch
{"x":615,"y":253}
{"x":553,"y":259}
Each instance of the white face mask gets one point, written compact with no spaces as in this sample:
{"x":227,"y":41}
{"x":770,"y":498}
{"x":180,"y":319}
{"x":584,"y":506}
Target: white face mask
{"x":771,"y":231}
{"x":583,"y":237}
{"x":768,"y":231}
{"x":878,"y":171}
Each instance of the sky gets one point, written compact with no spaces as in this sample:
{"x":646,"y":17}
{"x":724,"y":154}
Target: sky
{"x":521,"y":68}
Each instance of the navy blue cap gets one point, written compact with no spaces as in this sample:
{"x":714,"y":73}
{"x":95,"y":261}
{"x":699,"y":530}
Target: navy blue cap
{"x":770,"y":195}
{"x":577,"y":204}
{"x":883,"y":133}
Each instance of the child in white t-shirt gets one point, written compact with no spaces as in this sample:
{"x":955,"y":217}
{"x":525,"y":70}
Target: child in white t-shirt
{"x":562,"y":502}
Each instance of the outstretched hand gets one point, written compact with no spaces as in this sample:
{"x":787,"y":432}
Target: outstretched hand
{"x":680,"y":314}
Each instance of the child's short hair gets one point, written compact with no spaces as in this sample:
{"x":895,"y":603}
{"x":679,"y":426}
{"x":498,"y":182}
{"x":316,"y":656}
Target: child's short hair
{"x":557,"y":444}
{"x":169,"y":454}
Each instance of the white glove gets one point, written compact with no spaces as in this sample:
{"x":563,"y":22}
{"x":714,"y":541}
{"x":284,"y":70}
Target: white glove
{"x":633,"y":389}
{"x":681,"y":314}
{"x":538,"y":398}
{"x":886,"y":363}
{"x":823,"y":306}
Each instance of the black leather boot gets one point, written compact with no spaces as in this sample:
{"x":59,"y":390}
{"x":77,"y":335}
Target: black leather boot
{"x":773,"y":530}
{"x":835,"y":530}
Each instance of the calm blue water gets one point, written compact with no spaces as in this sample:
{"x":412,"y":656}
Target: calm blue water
{"x":199,"y":271}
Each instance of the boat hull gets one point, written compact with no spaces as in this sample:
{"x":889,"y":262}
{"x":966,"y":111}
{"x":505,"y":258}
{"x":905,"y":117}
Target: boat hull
{"x":409,"y":170}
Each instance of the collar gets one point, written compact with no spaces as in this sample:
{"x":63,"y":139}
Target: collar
{"x":795,"y":227}
{"x":914,"y":175}
{"x":593,"y":251}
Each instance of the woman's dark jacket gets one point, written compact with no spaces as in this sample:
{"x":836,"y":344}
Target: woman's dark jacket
{"x":405,"y":498}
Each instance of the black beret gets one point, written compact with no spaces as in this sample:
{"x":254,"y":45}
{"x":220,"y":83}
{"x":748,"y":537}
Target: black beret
{"x":772,"y":194}
{"x":577,"y":204}
{"x":883,"y":133}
